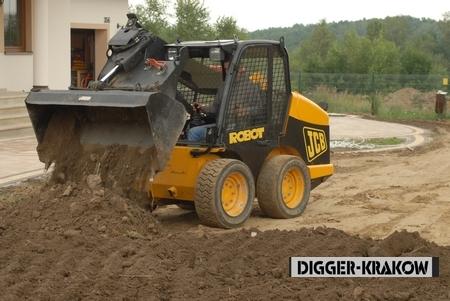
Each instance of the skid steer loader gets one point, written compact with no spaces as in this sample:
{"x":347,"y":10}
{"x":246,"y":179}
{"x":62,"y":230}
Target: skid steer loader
{"x":261,"y":141}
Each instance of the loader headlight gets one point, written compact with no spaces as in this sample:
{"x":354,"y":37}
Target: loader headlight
{"x":216,"y":54}
{"x":172,"y":54}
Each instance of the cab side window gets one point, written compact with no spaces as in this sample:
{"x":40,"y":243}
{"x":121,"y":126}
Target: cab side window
{"x":247,"y":103}
{"x":260,"y":91}
{"x":200,"y":81}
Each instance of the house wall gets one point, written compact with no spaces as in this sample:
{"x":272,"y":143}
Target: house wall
{"x":16,"y":72}
{"x":101,"y":42}
{"x":16,"y":69}
{"x":85,"y":15}
{"x":2,"y":49}
{"x":40,"y":43}
{"x":52,"y":69}
{"x":94,"y":12}
{"x":59,"y":44}
{"x":2,"y":31}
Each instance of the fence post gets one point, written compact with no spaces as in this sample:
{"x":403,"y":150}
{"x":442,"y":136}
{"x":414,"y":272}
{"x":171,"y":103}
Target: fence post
{"x":372,"y":96}
{"x":299,"y":87}
{"x":445,"y":84}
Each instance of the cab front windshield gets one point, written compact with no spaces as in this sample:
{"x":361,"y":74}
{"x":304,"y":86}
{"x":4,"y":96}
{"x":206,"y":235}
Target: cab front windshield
{"x":200,"y":88}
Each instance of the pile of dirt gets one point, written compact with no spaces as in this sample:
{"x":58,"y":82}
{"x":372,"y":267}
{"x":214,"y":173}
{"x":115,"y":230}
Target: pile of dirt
{"x":73,"y":210}
{"x":70,"y":242}
{"x":410,"y":98}
{"x":122,"y":168}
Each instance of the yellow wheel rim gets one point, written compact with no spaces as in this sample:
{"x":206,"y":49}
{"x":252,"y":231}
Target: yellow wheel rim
{"x":292,"y":187}
{"x":234,"y":194}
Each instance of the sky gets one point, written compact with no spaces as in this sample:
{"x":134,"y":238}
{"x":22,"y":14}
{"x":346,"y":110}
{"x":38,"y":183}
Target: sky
{"x":260,"y":14}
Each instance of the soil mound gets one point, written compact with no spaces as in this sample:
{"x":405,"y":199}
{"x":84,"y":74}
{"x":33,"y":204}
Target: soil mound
{"x":74,"y":242}
{"x":73,"y":210}
{"x":408,"y":98}
{"x":122,"y":168}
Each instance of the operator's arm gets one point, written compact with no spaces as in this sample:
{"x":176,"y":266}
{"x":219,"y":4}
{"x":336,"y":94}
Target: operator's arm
{"x":212,"y":110}
{"x":183,"y":101}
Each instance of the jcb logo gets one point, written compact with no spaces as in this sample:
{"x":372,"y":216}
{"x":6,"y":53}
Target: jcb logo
{"x":246,"y":135}
{"x":315,"y":142}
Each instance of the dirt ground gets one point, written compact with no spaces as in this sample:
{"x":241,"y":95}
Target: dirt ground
{"x":408,"y":98}
{"x":373,"y":194}
{"x":69,"y":240}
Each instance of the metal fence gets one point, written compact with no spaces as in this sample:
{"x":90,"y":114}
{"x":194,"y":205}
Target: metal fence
{"x":366,"y":83}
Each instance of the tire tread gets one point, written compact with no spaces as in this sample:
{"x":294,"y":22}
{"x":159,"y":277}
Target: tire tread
{"x":205,"y":191}
{"x":267,"y":192}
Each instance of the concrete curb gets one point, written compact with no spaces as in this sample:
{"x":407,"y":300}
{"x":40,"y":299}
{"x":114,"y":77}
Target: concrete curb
{"x":415,"y":138}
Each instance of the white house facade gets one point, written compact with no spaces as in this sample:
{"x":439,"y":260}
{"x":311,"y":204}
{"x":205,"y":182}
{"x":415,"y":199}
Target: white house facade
{"x":55,"y":43}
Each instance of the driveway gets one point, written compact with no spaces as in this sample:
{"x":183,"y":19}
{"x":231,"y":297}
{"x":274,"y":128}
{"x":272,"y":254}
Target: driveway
{"x":19,"y":160}
{"x":344,"y":128}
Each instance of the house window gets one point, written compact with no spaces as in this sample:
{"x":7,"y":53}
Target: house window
{"x":15,"y":18}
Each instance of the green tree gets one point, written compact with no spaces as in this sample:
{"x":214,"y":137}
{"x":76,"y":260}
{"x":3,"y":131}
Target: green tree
{"x":350,"y":55}
{"x":362,"y":60}
{"x":374,"y":29}
{"x":446,"y":16}
{"x":414,"y":61}
{"x":385,"y":57}
{"x":337,"y":60}
{"x":227,"y":28}
{"x":355,"y":54}
{"x":322,"y":39}
{"x":313,"y":52}
{"x":427,"y":42}
{"x":397,"y":29}
{"x":444,"y":27}
{"x":153,"y":17}
{"x":359,"y":53}
{"x":192,"y":21}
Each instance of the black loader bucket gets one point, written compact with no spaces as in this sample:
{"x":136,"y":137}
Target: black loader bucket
{"x":125,"y":137}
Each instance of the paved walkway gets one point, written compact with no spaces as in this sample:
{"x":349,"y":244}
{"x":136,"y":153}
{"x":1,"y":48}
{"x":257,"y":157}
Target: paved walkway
{"x":349,"y":127}
{"x":19,"y":160}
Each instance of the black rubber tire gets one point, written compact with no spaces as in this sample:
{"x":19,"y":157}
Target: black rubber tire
{"x":189,"y":206}
{"x":208,"y":204}
{"x":269,"y":185}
